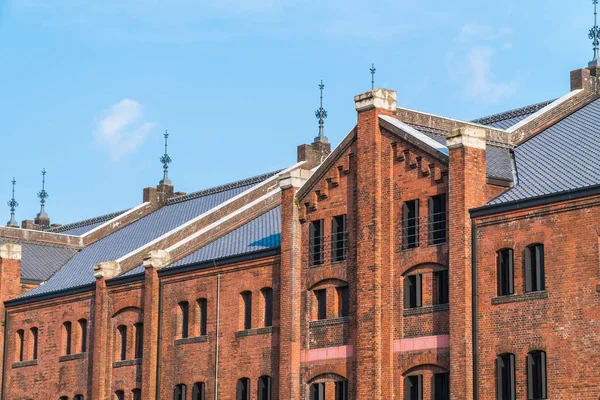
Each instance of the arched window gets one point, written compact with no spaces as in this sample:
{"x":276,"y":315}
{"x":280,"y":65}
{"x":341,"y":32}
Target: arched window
{"x":341,"y":390}
{"x":536,"y":375}
{"x":267,"y":294}
{"x":264,"y":388}
{"x":19,"y":348}
{"x":122,"y":335}
{"x":120,"y":395}
{"x":67,"y":336}
{"x":534,"y":268}
{"x":184,"y":309}
{"x":64,"y":398}
{"x":83,"y":335}
{"x":179,"y":392}
{"x":243,"y":389}
{"x":78,"y":397}
{"x":202,"y":315}
{"x":247,"y":309}
{"x":505,"y":377}
{"x":506,"y":272}
{"x":139,"y":339}
{"x":198,"y":391}
{"x":137,"y":394}
{"x":34,"y":343}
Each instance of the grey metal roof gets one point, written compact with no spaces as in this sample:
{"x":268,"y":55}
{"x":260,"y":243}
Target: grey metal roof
{"x":507,"y":119}
{"x":498,"y":156}
{"x":39,"y":261}
{"x":565,"y":156}
{"x":263,"y":232}
{"x":81,"y":227}
{"x":79,"y":270}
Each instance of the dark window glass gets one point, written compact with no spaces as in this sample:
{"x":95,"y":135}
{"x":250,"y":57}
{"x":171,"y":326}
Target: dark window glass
{"x":534,"y":268}
{"x":184,"y":308}
{"x":268,"y":299}
{"x":413,"y":387}
{"x":122,"y":329}
{"x":410,"y":224}
{"x":341,"y":390}
{"x":20,"y":344}
{"x":316,"y":242}
{"x":441,"y":386}
{"x":139,"y":340}
{"x":506,"y":270}
{"x":247,"y":300}
{"x":412,"y":291}
{"x":34,"y":344}
{"x":437,"y":219}
{"x":78,"y":397}
{"x":317,"y":391}
{"x":67,"y":337}
{"x":137,"y":394}
{"x":243,"y":389}
{"x":119,"y":394}
{"x":83,"y":333}
{"x":203,"y":309}
{"x":505,"y":377}
{"x":536,"y":375}
{"x":441,"y":281}
{"x":63,"y":398}
{"x":321,"y":297}
{"x":264,"y":388}
{"x":179,"y":392}
{"x":198,"y":391}
{"x":343,"y":301}
{"x":338,"y":238}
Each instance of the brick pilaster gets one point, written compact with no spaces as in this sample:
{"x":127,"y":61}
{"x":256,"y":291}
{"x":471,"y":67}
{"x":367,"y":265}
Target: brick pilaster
{"x":10,"y":282}
{"x":467,"y":181}
{"x":290,"y":287}
{"x":374,"y":341}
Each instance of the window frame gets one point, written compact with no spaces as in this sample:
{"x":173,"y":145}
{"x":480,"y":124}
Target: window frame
{"x":505,"y":377}
{"x":122,"y":335}
{"x":321,"y":302}
{"x":414,"y":283}
{"x":441,"y":386}
{"x":184,"y":310}
{"x":202,"y":315}
{"x":442,"y":286}
{"x":199,"y":391}
{"x":535,"y":276}
{"x":438,"y":219}
{"x":505,"y":271}
{"x":413,"y":387}
{"x":316,"y":239}
{"x":68,"y":338}
{"x":264,"y":386}
{"x":537,"y":378}
{"x":243,"y":389}
{"x":83,"y":334}
{"x":139,"y":340}
{"x":410,"y":224}
{"x":34,"y":342}
{"x":339,"y":234}
{"x":246,"y":309}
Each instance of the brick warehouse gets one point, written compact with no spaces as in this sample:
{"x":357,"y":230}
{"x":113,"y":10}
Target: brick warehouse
{"x":423,"y":258}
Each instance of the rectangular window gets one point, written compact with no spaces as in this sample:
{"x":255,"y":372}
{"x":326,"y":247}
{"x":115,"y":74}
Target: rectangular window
{"x":505,"y":272}
{"x":412,"y":291}
{"x":441,"y":281}
{"x":184,"y":308}
{"x":413,"y":387}
{"x":410,"y":224}
{"x":321,"y":297}
{"x":536,"y":375}
{"x":83,"y":332}
{"x":534,"y":268}
{"x":343,"y":301}
{"x":317,"y":391}
{"x":316,"y":242}
{"x":203,"y":309}
{"x":268,"y":299}
{"x":441,"y":386}
{"x":122,"y":329}
{"x":341,"y":390}
{"x":505,"y":377}
{"x":247,"y":300}
{"x":437,"y":219}
{"x":139,"y":340}
{"x":34,"y":344}
{"x":67,"y":337}
{"x":338,"y":238}
{"x":20,"y":344}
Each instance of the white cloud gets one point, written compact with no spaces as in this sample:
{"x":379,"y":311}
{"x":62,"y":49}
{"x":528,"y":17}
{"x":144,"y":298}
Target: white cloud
{"x":122,"y":130}
{"x":481,"y":83}
{"x":480,"y":32}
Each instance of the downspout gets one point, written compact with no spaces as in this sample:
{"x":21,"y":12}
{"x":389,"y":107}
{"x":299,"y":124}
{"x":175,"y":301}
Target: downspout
{"x":4,"y":357}
{"x":217,"y":341}
{"x":474,"y":308}
{"x":158,"y":352}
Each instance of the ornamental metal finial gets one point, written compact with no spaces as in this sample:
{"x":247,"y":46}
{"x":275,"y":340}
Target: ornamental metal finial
{"x":321,"y":114}
{"x":594,"y":35}
{"x":373,"y":76}
{"x":13,"y":204}
{"x":43,"y":195}
{"x":165,"y":160}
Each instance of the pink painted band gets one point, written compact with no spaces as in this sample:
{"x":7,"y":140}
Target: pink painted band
{"x":422,"y":343}
{"x":328,"y":353}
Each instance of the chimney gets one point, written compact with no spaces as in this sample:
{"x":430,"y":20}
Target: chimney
{"x":315,"y":153}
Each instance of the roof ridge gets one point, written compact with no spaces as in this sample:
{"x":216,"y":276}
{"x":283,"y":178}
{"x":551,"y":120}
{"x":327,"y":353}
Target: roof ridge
{"x":517,"y":112}
{"x":86,"y":222}
{"x":221,"y":188}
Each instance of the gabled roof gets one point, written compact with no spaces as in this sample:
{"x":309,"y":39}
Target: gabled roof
{"x":507,"y":119}
{"x":563,"y":157}
{"x":79,"y":270}
{"x":81,"y":227}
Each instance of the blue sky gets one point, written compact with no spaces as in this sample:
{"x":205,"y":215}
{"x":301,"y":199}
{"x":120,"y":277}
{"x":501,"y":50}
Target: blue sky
{"x":88,"y":87}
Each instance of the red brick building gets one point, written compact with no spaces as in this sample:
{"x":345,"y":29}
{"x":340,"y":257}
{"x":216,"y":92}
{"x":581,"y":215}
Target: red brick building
{"x":423,"y":258}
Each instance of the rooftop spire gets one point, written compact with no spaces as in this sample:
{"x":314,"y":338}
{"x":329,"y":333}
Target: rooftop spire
{"x":43,"y":195}
{"x":373,"y":76}
{"x":594,"y":35}
{"x":13,"y":204}
{"x":321,"y":114}
{"x":165,"y":160}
